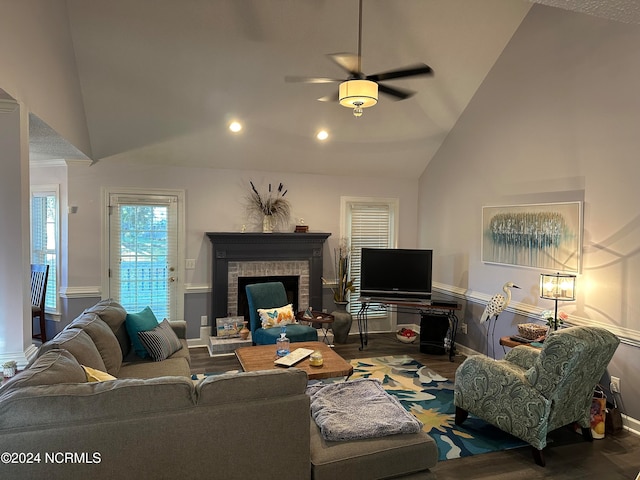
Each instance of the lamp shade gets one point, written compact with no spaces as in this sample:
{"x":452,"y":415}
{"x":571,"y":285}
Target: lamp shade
{"x":358,"y":93}
{"x":558,"y":286}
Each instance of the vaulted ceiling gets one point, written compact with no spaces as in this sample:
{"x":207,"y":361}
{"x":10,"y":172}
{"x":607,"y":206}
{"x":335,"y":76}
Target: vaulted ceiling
{"x":161,"y":79}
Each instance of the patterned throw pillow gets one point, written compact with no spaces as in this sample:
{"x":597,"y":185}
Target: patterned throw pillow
{"x":276,"y":317}
{"x":161,"y":342}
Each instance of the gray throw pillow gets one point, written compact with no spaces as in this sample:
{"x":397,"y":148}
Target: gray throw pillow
{"x":161,"y":342}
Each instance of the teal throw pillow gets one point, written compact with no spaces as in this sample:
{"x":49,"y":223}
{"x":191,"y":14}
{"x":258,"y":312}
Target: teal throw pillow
{"x":140,"y":322}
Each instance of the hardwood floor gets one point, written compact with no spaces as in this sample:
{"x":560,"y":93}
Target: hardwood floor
{"x":612,"y":458}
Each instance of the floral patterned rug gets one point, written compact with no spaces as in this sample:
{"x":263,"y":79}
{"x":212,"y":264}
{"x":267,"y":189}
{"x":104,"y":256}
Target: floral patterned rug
{"x":429,"y":397}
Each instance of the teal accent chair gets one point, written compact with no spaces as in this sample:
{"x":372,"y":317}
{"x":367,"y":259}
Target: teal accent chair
{"x":534,"y":391}
{"x":273,"y":295}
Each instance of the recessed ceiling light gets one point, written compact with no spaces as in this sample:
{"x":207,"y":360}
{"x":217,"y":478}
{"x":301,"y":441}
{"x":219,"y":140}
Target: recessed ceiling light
{"x":235,"y":127}
{"x":322,"y":135}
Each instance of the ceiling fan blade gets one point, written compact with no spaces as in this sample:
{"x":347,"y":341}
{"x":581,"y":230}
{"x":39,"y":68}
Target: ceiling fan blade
{"x":347,"y":61}
{"x":295,"y":79}
{"x":397,"y":93}
{"x":412,"y":71}
{"x":334,"y":97}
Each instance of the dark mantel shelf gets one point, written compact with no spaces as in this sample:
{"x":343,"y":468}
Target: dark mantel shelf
{"x":234,"y":246}
{"x":267,"y":238}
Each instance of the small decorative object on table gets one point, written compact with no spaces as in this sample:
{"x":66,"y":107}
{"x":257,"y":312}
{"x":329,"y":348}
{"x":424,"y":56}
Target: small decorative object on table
{"x":9,"y":368}
{"x":406,"y":335}
{"x":316,"y":360}
{"x":532,"y":331}
{"x":244,"y":332}
{"x":552,"y":322}
{"x":301,"y":227}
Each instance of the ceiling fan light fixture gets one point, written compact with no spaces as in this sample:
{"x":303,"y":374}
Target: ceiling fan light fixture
{"x":358,"y":94}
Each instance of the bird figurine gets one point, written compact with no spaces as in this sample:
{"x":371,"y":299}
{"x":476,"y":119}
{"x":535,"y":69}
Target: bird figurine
{"x":495,"y":307}
{"x":498,"y":303}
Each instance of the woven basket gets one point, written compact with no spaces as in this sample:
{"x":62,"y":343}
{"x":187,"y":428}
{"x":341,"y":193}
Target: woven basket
{"x":531,"y":331}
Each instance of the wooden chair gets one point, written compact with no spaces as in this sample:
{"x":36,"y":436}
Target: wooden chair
{"x":39,"y":276}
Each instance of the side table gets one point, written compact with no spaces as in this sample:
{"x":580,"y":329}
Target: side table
{"x":508,"y":342}
{"x":320,"y":321}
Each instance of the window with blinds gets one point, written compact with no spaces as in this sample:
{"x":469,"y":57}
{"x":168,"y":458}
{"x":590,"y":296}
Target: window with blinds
{"x":369,"y":224}
{"x":44,"y":238}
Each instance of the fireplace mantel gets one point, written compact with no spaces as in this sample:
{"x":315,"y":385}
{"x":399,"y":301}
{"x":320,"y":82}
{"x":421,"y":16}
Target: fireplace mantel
{"x":233,"y":247}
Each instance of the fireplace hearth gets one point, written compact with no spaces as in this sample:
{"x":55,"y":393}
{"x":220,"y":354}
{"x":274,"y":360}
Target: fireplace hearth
{"x":272,"y":255}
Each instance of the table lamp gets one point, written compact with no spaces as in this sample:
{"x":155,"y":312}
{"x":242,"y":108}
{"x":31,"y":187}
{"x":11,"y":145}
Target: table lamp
{"x":558,"y":287}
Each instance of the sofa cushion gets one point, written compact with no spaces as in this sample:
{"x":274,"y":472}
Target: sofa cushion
{"x":171,"y":367}
{"x":94,"y":375}
{"x":51,"y":406}
{"x":104,"y":339}
{"x":114,"y":315}
{"x":79,"y":344}
{"x":161,"y":342}
{"x":389,"y":457}
{"x":55,"y":366}
{"x":140,"y":322}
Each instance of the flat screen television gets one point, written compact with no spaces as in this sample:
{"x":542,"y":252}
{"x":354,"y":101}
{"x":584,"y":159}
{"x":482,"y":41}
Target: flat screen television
{"x":396,"y":273}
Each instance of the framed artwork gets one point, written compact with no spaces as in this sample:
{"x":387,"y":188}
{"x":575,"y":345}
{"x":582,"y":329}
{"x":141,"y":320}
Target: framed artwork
{"x":544,"y":235}
{"x":229,"y":327}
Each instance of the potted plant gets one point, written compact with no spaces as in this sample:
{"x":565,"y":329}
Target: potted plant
{"x":552,"y":321}
{"x":272,"y":209}
{"x":342,"y":319}
{"x":9,"y":368}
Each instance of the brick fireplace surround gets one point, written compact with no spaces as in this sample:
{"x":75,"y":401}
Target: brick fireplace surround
{"x":264,"y":254}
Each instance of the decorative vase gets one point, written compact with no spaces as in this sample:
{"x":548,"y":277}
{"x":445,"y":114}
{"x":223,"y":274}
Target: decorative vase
{"x":244,"y":332}
{"x":267,"y":224}
{"x":342,"y":321}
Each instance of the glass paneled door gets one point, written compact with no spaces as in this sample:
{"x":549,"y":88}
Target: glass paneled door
{"x":143,"y":252}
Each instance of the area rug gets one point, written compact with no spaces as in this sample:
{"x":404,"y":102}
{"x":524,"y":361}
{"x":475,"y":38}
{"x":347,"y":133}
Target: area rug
{"x":429,"y":397}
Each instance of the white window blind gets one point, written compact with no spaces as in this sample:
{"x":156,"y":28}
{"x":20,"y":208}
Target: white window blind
{"x":44,"y":238}
{"x":369,"y":225}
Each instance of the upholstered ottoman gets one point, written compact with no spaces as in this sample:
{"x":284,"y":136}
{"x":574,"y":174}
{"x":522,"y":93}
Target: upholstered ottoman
{"x":359,"y":431}
{"x":392,"y":456}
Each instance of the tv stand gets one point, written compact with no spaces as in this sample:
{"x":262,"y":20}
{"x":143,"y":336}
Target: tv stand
{"x":424,"y":307}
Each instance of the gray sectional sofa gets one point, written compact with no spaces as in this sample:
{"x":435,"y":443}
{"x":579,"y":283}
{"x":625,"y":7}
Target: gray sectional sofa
{"x":153,"y":421}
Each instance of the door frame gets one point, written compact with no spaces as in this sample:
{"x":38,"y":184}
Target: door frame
{"x":180,"y":250}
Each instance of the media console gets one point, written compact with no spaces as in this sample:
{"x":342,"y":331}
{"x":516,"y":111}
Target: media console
{"x":426,"y":308}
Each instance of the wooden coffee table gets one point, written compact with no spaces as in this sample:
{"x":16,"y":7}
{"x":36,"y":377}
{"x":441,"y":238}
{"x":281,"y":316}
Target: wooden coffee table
{"x":261,"y":357}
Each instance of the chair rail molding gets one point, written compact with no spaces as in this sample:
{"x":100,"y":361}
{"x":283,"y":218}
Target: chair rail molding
{"x":626,"y":335}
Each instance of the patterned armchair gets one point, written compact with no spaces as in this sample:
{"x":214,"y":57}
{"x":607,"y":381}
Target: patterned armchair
{"x":531,"y":392}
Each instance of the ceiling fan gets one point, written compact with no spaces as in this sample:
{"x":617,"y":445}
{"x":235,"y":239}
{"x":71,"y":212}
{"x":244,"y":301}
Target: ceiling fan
{"x":359,"y":90}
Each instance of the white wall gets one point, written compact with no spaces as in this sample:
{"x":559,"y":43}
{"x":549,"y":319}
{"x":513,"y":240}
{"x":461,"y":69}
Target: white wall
{"x":555,"y":120}
{"x":215,"y":201}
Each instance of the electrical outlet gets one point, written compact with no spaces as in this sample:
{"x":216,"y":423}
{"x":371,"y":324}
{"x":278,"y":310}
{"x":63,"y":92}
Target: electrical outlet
{"x":615,"y":384}
{"x":204,"y":320}
{"x":463,"y":328}
{"x":190,"y":263}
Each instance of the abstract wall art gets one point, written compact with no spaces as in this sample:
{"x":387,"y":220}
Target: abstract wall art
{"x":544,"y":236}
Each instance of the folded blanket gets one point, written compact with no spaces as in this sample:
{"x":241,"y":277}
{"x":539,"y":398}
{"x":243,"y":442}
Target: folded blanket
{"x":359,"y":409}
